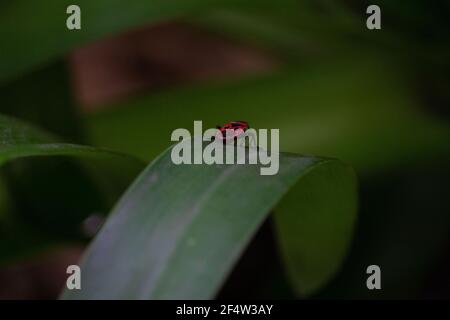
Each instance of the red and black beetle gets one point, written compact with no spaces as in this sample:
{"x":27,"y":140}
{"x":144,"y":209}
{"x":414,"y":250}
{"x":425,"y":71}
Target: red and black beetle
{"x":237,"y":128}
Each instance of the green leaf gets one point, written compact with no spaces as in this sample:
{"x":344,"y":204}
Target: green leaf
{"x":178,"y":230}
{"x":19,"y":139}
{"x":314,"y":223}
{"x":34,"y":32}
{"x":48,"y":188}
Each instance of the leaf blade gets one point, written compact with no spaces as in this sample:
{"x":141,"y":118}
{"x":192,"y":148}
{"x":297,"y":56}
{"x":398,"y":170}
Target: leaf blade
{"x":183,"y":245}
{"x":43,"y":202}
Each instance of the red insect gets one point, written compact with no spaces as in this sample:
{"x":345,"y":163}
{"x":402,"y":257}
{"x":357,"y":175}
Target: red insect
{"x":236,"y":128}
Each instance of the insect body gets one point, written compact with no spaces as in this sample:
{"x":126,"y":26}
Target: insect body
{"x":235,"y":129}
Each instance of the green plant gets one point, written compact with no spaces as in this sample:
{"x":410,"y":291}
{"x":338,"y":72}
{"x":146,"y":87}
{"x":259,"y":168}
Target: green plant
{"x":178,"y":230}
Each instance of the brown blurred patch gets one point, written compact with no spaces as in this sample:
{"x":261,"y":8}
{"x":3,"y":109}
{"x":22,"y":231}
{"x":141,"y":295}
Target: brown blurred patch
{"x":42,"y":277}
{"x":157,"y":56}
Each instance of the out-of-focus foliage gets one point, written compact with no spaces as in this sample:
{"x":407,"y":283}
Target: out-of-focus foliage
{"x":36,"y":30}
{"x":357,"y":110}
{"x":376,"y":99}
{"x":45,"y":193}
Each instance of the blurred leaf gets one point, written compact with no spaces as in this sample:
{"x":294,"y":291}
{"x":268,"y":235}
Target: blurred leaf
{"x":179,"y":229}
{"x":414,"y":32}
{"x":34,"y":32}
{"x":47,"y":197}
{"x":294,"y":29}
{"x":403,"y":224}
{"x":19,"y":139}
{"x":44,"y":98}
{"x":357,"y":110}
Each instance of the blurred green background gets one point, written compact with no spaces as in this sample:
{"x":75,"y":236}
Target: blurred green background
{"x":377,"y":99}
